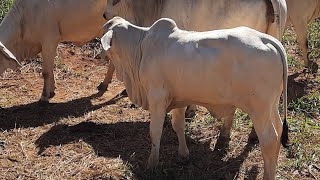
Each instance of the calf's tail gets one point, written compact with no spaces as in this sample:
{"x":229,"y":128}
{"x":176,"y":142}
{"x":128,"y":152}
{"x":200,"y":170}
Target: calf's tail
{"x":284,"y":135}
{"x":285,"y":127}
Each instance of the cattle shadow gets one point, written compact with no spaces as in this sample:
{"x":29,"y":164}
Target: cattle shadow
{"x":34,"y":114}
{"x":300,"y":84}
{"x":129,"y":140}
{"x":296,"y":89}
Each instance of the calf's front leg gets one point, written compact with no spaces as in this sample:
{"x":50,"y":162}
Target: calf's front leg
{"x":157,"y":108}
{"x":178,"y":124}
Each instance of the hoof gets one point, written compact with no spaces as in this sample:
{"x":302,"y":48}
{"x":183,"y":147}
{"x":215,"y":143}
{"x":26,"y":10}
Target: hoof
{"x":102,"y":88}
{"x":191,"y":111}
{"x":52,"y":94}
{"x":222,"y":143}
{"x":183,"y":160}
{"x":313,"y":66}
{"x":151,"y":166}
{"x":43,"y":103}
{"x":253,"y":138}
{"x":124,"y":93}
{"x":190,"y":114}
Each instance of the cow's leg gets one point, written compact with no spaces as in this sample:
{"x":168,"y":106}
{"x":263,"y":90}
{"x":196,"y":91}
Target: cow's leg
{"x":157,"y":106}
{"x":103,"y":87}
{"x":178,"y":124}
{"x":227,"y":122}
{"x":48,"y":54}
{"x":226,"y":113}
{"x":269,"y":134}
{"x":302,"y":33}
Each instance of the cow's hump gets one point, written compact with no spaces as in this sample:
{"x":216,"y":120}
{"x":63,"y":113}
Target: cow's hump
{"x":163,"y":24}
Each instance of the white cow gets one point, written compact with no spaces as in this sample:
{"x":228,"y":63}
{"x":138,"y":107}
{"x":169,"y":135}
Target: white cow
{"x":165,"y":68}
{"x":34,"y":26}
{"x":300,"y":13}
{"x":7,"y":59}
{"x":268,"y":16}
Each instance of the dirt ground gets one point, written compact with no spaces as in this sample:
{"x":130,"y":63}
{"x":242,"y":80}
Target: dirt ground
{"x":80,"y":137}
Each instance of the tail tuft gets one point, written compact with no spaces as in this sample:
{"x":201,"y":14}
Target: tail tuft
{"x":284,"y":135}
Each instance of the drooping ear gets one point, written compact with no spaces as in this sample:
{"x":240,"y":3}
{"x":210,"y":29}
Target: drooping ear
{"x":106,"y":40}
{"x":115,"y":2}
{"x":7,"y":53}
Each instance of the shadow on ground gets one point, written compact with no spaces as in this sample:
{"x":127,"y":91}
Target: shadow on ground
{"x":296,"y":88}
{"x":129,"y":141}
{"x":34,"y":114}
{"x":300,"y":83}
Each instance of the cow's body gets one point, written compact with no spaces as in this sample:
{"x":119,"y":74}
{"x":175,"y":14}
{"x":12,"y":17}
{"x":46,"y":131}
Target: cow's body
{"x":300,"y":13}
{"x":34,"y":26}
{"x":165,"y":68}
{"x":201,"y":15}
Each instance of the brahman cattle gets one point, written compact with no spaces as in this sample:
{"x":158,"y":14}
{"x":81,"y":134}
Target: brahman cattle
{"x":267,"y":16}
{"x":34,"y":26}
{"x":164,"y":68}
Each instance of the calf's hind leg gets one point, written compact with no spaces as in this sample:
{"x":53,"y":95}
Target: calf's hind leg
{"x":269,"y":134}
{"x":226,"y":113}
{"x":178,"y":124}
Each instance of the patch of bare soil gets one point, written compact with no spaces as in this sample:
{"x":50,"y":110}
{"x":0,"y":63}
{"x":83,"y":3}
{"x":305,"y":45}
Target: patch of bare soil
{"x":81,"y":137}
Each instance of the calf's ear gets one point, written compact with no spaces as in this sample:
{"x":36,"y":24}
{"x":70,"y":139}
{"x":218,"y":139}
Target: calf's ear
{"x":7,"y":53}
{"x":106,"y":40}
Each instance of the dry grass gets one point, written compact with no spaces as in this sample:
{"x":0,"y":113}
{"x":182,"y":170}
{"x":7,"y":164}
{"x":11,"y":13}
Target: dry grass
{"x":79,"y":137}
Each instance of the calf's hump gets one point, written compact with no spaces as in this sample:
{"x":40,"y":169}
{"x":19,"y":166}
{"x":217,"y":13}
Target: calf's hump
{"x":163,"y":24}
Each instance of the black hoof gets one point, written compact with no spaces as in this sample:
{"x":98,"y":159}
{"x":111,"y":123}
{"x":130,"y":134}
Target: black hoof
{"x":102,"y":88}
{"x":313,"y":66}
{"x":190,"y":113}
{"x":124,"y":93}
{"x":42,"y":103}
{"x":253,"y":138}
{"x":183,"y":160}
{"x":52,"y":94}
{"x":97,"y":95}
{"x":222,"y":143}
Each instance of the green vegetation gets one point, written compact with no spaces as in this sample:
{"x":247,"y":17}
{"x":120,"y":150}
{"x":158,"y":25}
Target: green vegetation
{"x":4,"y":7}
